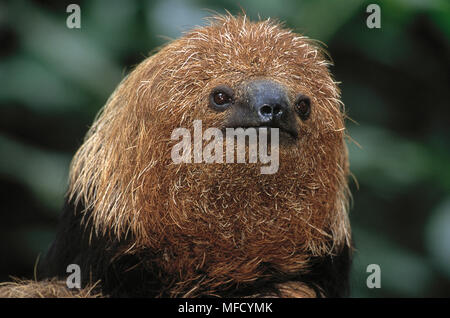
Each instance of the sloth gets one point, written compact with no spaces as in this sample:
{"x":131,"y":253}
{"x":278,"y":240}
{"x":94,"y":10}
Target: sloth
{"x":141,"y":225}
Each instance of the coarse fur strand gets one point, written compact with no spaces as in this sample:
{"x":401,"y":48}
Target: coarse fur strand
{"x":145,"y":226}
{"x":51,"y":288}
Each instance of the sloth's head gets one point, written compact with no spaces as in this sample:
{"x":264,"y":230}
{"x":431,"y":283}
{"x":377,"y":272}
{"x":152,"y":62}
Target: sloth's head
{"x":227,"y":220}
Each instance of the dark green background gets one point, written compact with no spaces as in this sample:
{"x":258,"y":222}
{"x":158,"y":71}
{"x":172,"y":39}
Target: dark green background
{"x":395,"y":84}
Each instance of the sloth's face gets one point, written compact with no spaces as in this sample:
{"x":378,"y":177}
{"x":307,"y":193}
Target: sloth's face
{"x":239,"y":75}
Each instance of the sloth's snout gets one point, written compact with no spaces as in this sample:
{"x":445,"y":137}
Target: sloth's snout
{"x":257,"y":103}
{"x":268,"y":100}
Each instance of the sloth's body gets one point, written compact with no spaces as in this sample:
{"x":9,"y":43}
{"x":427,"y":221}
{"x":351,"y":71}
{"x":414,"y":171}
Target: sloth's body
{"x":145,"y":226}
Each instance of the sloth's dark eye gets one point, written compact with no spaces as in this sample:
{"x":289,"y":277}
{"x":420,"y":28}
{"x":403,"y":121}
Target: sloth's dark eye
{"x":303,"y":106}
{"x":221,"y":97}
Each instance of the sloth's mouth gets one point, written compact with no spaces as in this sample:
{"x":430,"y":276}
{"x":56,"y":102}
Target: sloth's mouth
{"x":283,"y":132}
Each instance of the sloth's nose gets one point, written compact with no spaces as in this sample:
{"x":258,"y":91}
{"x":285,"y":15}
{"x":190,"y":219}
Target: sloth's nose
{"x":268,"y":100}
{"x":268,"y":112}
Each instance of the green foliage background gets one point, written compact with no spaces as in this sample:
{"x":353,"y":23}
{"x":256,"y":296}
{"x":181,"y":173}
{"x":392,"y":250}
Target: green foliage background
{"x":395,"y":84}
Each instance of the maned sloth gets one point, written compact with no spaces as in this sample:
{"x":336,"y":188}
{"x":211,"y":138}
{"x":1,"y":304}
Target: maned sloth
{"x":143,"y":225}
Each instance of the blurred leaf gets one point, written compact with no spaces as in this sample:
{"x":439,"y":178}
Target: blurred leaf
{"x":441,"y":16}
{"x":70,"y":51}
{"x":171,"y":18}
{"x":113,"y":17}
{"x":45,"y":173}
{"x":383,"y":156}
{"x":438,"y":237}
{"x":402,"y":272}
{"x":311,"y":16}
{"x":389,"y":162}
{"x":30,"y":83}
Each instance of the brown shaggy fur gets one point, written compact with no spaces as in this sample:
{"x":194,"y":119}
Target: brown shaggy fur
{"x":44,"y":289}
{"x":218,"y":226}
